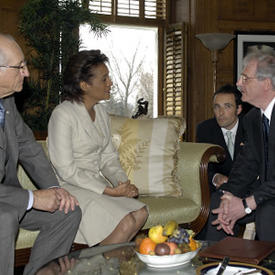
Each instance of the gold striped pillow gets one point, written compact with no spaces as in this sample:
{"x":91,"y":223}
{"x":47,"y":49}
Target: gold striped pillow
{"x":148,"y":152}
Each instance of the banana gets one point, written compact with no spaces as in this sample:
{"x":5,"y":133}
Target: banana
{"x":169,"y":228}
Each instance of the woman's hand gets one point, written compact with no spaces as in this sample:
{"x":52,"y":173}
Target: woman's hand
{"x":127,"y":189}
{"x":124,"y":189}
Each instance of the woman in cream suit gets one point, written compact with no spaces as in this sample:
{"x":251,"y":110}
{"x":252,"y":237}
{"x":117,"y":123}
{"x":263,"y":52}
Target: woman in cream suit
{"x":84,"y":158}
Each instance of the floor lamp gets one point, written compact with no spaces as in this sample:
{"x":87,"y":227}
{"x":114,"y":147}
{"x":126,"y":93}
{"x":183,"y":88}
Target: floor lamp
{"x":215,"y":42}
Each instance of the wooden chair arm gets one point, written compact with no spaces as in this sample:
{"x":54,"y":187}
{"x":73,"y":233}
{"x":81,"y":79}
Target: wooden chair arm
{"x":214,"y":153}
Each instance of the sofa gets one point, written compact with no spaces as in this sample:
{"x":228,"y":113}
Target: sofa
{"x":190,"y":208}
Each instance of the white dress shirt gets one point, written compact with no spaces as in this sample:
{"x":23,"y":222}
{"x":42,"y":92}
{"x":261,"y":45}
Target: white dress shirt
{"x":233,"y":131}
{"x":268,"y":111}
{"x":233,"y":135}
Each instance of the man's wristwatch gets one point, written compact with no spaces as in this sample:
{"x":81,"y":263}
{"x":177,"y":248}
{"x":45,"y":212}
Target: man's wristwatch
{"x":247,"y":209}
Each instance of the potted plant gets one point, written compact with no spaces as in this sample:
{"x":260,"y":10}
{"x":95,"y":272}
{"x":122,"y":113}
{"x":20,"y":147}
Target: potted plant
{"x":50,"y":29}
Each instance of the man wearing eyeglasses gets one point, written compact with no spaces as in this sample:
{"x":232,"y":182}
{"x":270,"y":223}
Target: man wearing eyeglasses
{"x":244,"y":199}
{"x":51,"y":209}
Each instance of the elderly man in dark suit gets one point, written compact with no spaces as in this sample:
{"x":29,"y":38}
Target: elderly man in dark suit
{"x":225,"y":129}
{"x":52,"y":210}
{"x":243,"y":198}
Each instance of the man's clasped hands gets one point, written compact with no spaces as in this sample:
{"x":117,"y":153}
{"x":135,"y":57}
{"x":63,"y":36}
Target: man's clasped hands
{"x":230,"y":210}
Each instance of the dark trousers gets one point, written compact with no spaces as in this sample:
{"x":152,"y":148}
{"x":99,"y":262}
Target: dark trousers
{"x":210,"y":232}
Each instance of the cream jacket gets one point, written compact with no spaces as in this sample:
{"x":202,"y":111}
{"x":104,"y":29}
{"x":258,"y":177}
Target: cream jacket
{"x":81,"y":150}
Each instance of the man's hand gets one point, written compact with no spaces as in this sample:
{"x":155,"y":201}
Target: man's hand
{"x":46,"y":200}
{"x":230,"y":210}
{"x":52,"y":199}
{"x":221,"y":211}
{"x":67,"y":201}
{"x":219,"y":180}
{"x":235,"y":209}
{"x":63,"y":267}
{"x":66,"y":264}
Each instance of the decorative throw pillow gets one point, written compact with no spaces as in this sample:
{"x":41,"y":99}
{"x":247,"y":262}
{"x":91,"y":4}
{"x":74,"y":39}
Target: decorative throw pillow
{"x":148,"y":152}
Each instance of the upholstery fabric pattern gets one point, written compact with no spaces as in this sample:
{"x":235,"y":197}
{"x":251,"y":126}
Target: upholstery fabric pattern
{"x":148,"y":152}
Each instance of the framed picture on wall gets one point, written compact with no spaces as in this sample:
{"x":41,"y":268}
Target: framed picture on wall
{"x":249,"y":41}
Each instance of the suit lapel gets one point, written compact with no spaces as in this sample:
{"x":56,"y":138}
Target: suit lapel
{"x":84,"y":118}
{"x":271,"y":143}
{"x":219,"y":138}
{"x":258,"y":138}
{"x":2,"y":154}
{"x":86,"y":122}
{"x":271,"y":138}
{"x":9,"y":133}
{"x":238,"y":139}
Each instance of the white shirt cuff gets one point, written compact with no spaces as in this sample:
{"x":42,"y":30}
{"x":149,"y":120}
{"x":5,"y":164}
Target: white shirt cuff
{"x":214,"y":179}
{"x":30,"y":204}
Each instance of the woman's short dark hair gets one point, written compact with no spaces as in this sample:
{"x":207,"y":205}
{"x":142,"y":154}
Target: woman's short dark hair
{"x":79,"y":68}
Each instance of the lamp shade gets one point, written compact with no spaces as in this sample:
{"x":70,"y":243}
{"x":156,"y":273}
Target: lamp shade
{"x":215,"y":41}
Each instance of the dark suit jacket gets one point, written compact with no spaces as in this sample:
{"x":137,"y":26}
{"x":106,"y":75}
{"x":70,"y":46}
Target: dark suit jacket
{"x":209,"y":131}
{"x":250,"y":162}
{"x":17,"y":144}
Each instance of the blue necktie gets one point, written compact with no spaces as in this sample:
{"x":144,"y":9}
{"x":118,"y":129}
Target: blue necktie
{"x":2,"y":114}
{"x":265,"y":122}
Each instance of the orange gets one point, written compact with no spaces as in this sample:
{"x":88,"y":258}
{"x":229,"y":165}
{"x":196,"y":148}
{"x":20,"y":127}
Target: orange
{"x":192,"y":244}
{"x":139,"y":239}
{"x":172,"y":246}
{"x":147,"y":246}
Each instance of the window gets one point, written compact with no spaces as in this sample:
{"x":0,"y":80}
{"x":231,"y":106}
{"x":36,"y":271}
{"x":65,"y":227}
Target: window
{"x":170,"y":66}
{"x":128,"y":8}
{"x":101,"y":7}
{"x":132,"y":53}
{"x":175,"y":71}
{"x":148,"y":9}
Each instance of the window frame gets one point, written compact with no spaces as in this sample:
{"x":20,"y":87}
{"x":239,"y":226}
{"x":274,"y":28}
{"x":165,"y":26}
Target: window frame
{"x":175,"y":71}
{"x":114,"y":18}
{"x":162,"y":26}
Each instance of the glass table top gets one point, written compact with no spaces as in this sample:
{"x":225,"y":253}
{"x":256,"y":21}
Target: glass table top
{"x":121,"y":259}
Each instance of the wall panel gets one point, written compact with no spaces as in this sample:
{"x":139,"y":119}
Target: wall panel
{"x":216,"y":16}
{"x":9,"y":10}
{"x":201,"y":16}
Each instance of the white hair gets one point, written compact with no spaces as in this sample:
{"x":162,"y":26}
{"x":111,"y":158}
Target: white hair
{"x":265,"y":63}
{"x":3,"y":56}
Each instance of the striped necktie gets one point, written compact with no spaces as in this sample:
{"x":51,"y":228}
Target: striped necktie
{"x":2,"y":114}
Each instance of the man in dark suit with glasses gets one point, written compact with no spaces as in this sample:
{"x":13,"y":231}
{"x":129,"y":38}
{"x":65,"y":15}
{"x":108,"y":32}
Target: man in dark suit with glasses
{"x":249,"y":194}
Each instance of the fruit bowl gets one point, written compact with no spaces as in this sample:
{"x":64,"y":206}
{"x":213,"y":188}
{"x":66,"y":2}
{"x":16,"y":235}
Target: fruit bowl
{"x":167,"y":260}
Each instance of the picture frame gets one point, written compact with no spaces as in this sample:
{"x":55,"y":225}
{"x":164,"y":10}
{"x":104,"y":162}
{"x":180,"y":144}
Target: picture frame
{"x":245,"y":41}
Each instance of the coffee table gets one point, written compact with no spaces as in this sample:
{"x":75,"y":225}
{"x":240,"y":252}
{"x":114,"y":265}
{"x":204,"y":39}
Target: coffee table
{"x":121,"y":259}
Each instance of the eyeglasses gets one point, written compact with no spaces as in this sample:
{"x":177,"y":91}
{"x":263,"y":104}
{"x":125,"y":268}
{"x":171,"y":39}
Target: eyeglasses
{"x":20,"y":67}
{"x":245,"y":78}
